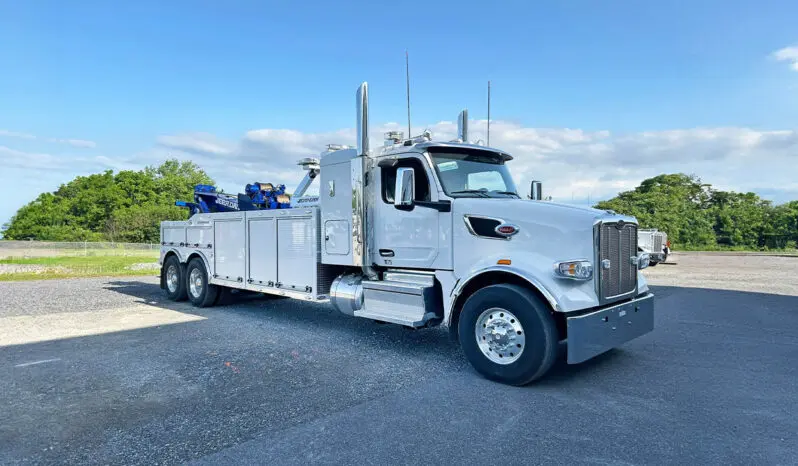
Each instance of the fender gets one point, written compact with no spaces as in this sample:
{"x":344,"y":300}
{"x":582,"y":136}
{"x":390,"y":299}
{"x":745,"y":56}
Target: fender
{"x":172,"y":250}
{"x":523,"y":274}
{"x":183,"y":255}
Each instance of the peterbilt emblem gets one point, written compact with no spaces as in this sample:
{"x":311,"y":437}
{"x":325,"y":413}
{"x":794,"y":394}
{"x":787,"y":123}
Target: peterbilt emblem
{"x":606,"y":264}
{"x":505,"y":229}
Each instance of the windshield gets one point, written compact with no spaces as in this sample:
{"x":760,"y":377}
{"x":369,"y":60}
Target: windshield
{"x":473,"y":173}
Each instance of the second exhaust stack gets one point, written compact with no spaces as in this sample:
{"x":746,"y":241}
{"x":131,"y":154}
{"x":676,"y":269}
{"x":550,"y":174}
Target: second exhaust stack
{"x":363,"y":119}
{"x":462,"y":126}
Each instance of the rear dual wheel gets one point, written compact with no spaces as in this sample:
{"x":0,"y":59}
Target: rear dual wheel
{"x":200,"y":292}
{"x":508,"y":334}
{"x":174,"y":279}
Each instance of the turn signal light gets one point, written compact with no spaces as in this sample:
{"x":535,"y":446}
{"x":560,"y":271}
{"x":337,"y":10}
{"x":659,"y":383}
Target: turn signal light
{"x":504,"y":262}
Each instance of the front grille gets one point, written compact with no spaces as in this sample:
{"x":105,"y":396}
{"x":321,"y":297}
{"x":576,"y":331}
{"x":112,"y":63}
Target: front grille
{"x":657,"y":243}
{"x":617,"y":243}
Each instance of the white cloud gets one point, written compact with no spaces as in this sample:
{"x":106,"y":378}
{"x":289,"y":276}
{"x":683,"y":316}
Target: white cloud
{"x":572,"y":163}
{"x":29,"y":160}
{"x":74,"y":142}
{"x":39,"y":162}
{"x":202,"y":143}
{"x":14,"y":134}
{"x":82,"y":143}
{"x":788,"y":54}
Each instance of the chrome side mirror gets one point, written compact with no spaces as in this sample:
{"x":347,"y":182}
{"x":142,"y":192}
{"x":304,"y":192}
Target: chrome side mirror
{"x":405,"y":187}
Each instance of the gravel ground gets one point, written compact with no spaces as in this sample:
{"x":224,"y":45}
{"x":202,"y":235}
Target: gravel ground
{"x":120,"y":376}
{"x":145,"y":266}
{"x":26,"y":268}
{"x":725,"y":271}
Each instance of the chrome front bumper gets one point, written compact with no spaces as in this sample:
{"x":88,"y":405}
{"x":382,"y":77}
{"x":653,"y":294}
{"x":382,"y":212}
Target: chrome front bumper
{"x":597,"y":332}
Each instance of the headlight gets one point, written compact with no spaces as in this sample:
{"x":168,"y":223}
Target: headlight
{"x":642,"y":260}
{"x":575,"y":270}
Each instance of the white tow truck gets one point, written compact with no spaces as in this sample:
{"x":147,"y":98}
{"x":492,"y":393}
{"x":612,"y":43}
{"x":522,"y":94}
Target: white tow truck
{"x":422,"y":233}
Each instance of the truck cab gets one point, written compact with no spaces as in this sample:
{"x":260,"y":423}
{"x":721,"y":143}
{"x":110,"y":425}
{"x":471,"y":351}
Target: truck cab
{"x":422,"y":233}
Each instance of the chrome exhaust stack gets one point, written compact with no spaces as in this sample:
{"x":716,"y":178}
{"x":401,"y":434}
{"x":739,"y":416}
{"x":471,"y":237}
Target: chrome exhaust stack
{"x":536,"y":190}
{"x":363,"y":120}
{"x":361,"y":192}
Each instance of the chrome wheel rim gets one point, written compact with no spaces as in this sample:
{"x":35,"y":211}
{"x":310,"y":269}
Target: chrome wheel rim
{"x":500,"y":336}
{"x":195,"y":283}
{"x":172,"y":278}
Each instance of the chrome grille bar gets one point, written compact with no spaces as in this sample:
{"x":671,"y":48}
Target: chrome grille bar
{"x":617,"y":244}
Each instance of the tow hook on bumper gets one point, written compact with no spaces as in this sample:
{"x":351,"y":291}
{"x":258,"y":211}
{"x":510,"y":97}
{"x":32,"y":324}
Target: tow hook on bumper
{"x":597,"y":332}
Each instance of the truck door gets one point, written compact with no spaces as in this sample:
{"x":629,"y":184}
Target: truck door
{"x":410,"y":237}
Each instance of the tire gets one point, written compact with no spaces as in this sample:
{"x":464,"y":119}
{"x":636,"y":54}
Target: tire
{"x":652,"y":264}
{"x":174,"y":279}
{"x":200,"y":292}
{"x":519,"y":310}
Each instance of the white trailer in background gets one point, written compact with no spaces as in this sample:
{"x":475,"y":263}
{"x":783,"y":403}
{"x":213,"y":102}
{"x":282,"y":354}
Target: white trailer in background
{"x":421,"y":233}
{"x":655,"y":243}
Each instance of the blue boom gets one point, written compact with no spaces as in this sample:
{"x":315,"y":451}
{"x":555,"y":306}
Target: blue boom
{"x":257,"y":196}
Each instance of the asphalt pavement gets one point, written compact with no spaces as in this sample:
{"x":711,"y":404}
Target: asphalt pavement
{"x":114,"y":374}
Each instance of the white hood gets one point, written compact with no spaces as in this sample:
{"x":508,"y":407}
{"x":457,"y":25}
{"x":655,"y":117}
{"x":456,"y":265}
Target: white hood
{"x":548,"y":233}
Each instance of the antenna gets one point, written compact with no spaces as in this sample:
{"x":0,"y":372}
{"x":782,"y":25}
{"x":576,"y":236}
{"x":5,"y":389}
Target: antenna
{"x":407,"y":72}
{"x":488,"y":143}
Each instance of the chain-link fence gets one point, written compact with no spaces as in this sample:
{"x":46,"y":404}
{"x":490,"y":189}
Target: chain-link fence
{"x":18,"y":249}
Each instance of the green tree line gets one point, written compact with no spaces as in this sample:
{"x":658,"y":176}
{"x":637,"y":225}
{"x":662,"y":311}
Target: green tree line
{"x":127,"y":206}
{"x":697,"y":216}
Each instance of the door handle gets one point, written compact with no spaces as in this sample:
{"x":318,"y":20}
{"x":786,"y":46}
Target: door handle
{"x":386,"y":252}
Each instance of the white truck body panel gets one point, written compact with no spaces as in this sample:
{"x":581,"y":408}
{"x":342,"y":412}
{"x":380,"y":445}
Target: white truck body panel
{"x":335,"y":197}
{"x":244,"y":251}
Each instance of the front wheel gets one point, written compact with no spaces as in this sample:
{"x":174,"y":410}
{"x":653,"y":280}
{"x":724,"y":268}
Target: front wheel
{"x":200,"y":292}
{"x":508,"y":334}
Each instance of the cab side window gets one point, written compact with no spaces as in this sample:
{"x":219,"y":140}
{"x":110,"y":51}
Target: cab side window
{"x":389,"y":180}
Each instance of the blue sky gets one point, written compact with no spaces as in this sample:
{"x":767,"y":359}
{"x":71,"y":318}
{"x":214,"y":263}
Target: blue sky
{"x":591,"y":96}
